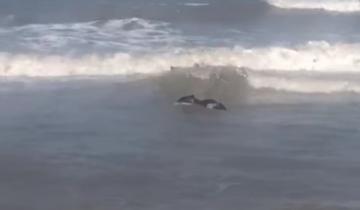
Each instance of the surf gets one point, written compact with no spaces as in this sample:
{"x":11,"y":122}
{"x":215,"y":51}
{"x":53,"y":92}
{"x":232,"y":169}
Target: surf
{"x":312,"y":67}
{"x":340,"y":6}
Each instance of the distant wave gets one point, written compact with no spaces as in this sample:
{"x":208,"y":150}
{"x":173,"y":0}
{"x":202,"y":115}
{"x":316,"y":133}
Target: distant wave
{"x":329,"y":5}
{"x":131,"y":34}
{"x":312,"y":67}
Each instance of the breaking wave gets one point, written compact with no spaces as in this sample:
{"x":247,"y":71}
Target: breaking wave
{"x":328,"y":5}
{"x":314,"y":67}
{"x":130,"y":35}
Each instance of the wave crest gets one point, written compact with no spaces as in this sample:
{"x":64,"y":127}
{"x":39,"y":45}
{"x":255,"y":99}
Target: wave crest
{"x":313,"y":67}
{"x":110,"y":35}
{"x":328,"y":5}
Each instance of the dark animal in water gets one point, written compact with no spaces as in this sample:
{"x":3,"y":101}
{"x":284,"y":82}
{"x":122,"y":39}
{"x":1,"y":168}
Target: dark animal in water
{"x":207,"y":103}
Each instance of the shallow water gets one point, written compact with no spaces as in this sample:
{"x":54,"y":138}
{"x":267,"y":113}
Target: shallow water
{"x":87,"y":120}
{"x":111,"y":145}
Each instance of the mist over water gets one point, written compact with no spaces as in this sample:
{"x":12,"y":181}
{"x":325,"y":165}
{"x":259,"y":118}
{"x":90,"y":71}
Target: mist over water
{"x":87,"y":118}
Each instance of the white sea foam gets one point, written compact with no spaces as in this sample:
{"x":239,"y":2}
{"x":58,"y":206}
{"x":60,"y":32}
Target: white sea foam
{"x":329,"y":5}
{"x":305,"y":85}
{"x":131,"y":34}
{"x":313,"y":67}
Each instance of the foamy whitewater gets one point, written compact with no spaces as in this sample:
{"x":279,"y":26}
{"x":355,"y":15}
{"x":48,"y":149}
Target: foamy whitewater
{"x":87,"y":121}
{"x":330,"y":5}
{"x":127,"y":47}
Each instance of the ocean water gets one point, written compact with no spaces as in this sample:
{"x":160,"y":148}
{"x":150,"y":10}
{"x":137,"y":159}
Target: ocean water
{"x":87,"y":120}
